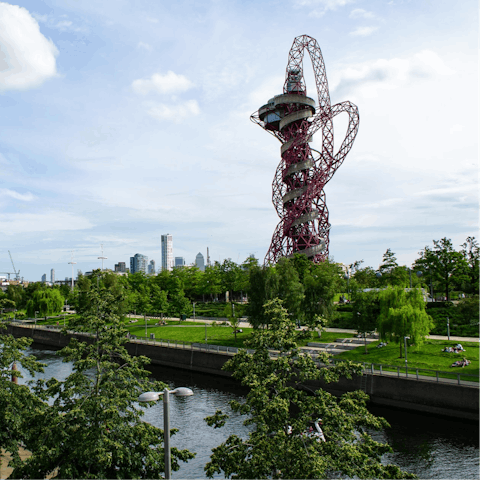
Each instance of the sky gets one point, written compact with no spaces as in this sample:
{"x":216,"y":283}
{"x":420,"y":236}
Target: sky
{"x":124,"y":120}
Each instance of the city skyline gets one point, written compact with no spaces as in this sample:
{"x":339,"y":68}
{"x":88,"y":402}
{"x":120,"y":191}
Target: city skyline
{"x":124,"y":120}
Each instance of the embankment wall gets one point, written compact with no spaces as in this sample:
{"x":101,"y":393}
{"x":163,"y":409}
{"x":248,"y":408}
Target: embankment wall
{"x":451,"y":400}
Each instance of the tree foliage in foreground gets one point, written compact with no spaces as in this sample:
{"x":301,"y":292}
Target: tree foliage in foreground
{"x":280,"y":411}
{"x":93,"y":427}
{"x":15,"y":399}
{"x":402,"y":313}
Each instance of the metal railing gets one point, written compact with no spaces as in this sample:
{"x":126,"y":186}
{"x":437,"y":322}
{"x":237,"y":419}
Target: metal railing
{"x":418,"y":374}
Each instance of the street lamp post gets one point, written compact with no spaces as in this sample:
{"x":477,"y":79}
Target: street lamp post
{"x":153,"y":397}
{"x":194,"y":310}
{"x":418,"y":273}
{"x":347,"y":278}
{"x":406,"y":361}
{"x":448,"y":328}
{"x":36,"y":319}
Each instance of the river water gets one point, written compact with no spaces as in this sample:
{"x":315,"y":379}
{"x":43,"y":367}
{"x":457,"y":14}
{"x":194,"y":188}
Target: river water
{"x":427,"y":445}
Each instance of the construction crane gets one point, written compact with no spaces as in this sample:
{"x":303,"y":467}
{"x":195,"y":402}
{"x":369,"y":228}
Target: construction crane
{"x":6,"y":273}
{"x":17,"y":274}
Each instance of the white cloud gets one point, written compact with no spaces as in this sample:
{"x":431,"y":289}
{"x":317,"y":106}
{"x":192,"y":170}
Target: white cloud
{"x":18,"y":223}
{"x":27,"y":58}
{"x":177,"y":113}
{"x":389,"y":74}
{"x":61,"y":25}
{"x":26,"y":197}
{"x":145,"y":46}
{"x":361,"y":13}
{"x":456,"y":128}
{"x":164,"y":84}
{"x":322,"y":6}
{"x":363,"y":31}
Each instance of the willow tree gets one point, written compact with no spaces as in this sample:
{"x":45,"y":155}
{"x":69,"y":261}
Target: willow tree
{"x":402,"y":314}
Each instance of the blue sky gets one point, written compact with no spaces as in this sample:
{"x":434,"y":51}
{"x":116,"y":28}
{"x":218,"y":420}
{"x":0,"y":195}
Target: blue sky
{"x":121,"y":121}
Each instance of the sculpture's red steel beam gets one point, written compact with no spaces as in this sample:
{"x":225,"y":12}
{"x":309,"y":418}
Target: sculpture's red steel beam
{"x":298,"y":186}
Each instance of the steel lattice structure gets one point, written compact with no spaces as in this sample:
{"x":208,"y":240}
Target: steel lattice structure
{"x":298,"y":186}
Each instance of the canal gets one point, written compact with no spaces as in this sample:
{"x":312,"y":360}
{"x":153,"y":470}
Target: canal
{"x":431,"y":447}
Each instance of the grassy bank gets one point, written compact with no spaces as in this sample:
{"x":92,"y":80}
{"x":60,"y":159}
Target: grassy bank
{"x":429,"y":356}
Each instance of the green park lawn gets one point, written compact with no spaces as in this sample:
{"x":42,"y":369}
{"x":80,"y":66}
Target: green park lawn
{"x":429,"y":356}
{"x":216,"y":335}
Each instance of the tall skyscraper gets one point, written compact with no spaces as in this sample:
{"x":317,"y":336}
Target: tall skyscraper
{"x":179,"y":262}
{"x":138,"y":263}
{"x":44,"y":278}
{"x":200,"y":262}
{"x":151,"y":267}
{"x":52,"y":275}
{"x":167,"y":252}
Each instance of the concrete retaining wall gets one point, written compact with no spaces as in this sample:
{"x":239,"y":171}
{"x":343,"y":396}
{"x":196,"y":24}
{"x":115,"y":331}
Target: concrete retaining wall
{"x":425,"y":396}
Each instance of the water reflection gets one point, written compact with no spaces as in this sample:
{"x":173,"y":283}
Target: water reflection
{"x":429,"y":446}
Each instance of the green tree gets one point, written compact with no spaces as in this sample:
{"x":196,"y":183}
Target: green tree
{"x":280,"y":412}
{"x":471,"y":253}
{"x":402,"y":313}
{"x":93,"y":427}
{"x":46,"y":301}
{"x":17,"y":294}
{"x":159,"y":300}
{"x":230,"y":276}
{"x":210,"y":283}
{"x":365,"y":278}
{"x":290,"y":289}
{"x":262,"y":287}
{"x":16,"y":401}
{"x":366,"y":310}
{"x":320,"y":282}
{"x":446,"y":266}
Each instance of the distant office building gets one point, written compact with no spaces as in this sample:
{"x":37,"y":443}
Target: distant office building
{"x":52,"y":275}
{"x":200,"y":262}
{"x":44,"y":278}
{"x":167,"y":252}
{"x":151,"y":267}
{"x":120,"y":267}
{"x":138,"y":263}
{"x":179,"y":262}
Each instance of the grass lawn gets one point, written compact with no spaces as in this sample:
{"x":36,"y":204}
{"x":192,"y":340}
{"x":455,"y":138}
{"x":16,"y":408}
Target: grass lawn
{"x":215,"y":335}
{"x":218,"y":335}
{"x":429,"y":356}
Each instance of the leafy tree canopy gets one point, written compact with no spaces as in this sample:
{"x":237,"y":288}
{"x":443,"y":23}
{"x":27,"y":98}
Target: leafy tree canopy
{"x":280,"y":410}
{"x":91,"y":426}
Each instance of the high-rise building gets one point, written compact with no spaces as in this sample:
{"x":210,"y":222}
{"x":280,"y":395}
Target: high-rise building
{"x":52,"y":275}
{"x":179,"y":262}
{"x":167,"y":252}
{"x":151,"y":267}
{"x":44,"y":278}
{"x":200,"y":262}
{"x":120,"y":267}
{"x":138,"y":263}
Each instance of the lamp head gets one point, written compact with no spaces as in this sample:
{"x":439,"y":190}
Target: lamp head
{"x":182,"y":392}
{"x":149,"y":397}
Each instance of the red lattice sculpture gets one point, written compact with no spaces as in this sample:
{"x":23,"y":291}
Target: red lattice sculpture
{"x":303,"y":172}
